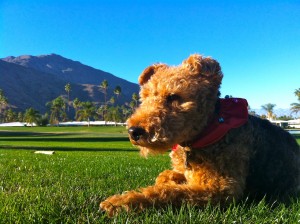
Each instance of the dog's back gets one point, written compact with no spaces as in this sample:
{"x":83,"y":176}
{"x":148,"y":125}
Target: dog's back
{"x":274,"y":166}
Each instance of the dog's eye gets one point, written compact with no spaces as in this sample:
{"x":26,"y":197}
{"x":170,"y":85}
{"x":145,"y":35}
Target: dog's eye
{"x":173,"y":97}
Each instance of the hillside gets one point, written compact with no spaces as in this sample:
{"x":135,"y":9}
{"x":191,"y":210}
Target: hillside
{"x":32,"y":81}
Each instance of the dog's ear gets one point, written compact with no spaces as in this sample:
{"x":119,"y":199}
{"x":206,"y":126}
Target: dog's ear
{"x":149,"y":71}
{"x":200,"y":65}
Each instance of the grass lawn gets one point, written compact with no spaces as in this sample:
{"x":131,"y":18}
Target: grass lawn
{"x":89,"y":165}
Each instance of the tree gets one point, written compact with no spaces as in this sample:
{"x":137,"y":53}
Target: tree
{"x":125,"y":111}
{"x":297,"y":93}
{"x":10,"y":115}
{"x":76,"y":105}
{"x":251,"y":112}
{"x":113,"y":114}
{"x":285,"y":118}
{"x":295,"y":107}
{"x":68,"y":90}
{"x":87,"y":111}
{"x":135,"y":98}
{"x":100,"y":112}
{"x":43,"y":120}
{"x":20,"y":117}
{"x":31,"y":116}
{"x":112,"y":100}
{"x":103,"y":88}
{"x":132,"y":106}
{"x":3,"y":104}
{"x":118,"y":91}
{"x":57,"y":107}
{"x":269,"y":108}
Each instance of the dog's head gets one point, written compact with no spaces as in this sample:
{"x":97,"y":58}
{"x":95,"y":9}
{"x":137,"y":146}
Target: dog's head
{"x":176,"y":103}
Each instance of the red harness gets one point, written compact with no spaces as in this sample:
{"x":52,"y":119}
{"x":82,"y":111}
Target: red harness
{"x":233,"y":114}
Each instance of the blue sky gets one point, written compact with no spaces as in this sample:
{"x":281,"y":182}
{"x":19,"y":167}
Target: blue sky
{"x":256,"y":42}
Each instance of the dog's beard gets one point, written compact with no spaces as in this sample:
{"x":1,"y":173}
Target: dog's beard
{"x":156,"y":142}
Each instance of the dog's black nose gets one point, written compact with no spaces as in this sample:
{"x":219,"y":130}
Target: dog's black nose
{"x":136,"y":132}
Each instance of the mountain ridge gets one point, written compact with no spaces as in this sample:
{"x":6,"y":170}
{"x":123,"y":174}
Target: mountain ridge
{"x":59,"y":65}
{"x":40,"y":79}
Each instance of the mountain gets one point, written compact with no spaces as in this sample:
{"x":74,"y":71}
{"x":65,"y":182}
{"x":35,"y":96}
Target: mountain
{"x":32,"y":81}
{"x":25,"y":87}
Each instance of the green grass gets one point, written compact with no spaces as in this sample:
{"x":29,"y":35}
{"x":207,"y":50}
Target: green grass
{"x":297,"y":138}
{"x":89,"y":165}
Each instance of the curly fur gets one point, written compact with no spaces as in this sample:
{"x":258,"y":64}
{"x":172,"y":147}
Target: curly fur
{"x":177,"y":103}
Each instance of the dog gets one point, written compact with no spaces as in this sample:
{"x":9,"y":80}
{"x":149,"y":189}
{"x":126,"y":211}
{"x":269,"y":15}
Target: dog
{"x":220,"y":153}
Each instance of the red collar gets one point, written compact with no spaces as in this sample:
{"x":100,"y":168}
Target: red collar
{"x":233,"y":113}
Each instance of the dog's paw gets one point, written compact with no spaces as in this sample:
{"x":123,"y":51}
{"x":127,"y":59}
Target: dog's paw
{"x":131,"y":201}
{"x":114,"y":205}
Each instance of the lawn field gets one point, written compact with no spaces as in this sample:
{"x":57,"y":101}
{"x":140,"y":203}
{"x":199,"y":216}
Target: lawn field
{"x":89,"y":165}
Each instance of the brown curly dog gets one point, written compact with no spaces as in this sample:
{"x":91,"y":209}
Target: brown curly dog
{"x":220,"y":153}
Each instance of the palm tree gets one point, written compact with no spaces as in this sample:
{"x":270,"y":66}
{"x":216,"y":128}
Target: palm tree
{"x":44,"y":120}
{"x":3,"y":104}
{"x":103,"y":88}
{"x":118,"y":92}
{"x":10,"y":115}
{"x":295,"y":107}
{"x":68,"y":90}
{"x":20,"y":117}
{"x":100,"y":112}
{"x":76,"y":104}
{"x":87,"y":111}
{"x":57,"y":107}
{"x":297,"y":93}
{"x":269,"y":108}
{"x":251,"y":112}
{"x":112,"y":100}
{"x":132,"y":106}
{"x":113,"y":114}
{"x":31,"y":116}
{"x":125,"y":111}
{"x":135,"y":98}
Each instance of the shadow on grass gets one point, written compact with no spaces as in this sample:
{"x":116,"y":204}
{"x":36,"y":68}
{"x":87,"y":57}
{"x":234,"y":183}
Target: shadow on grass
{"x":57,"y":148}
{"x":74,"y":139}
{"x":296,"y":135}
{"x":33,"y":134}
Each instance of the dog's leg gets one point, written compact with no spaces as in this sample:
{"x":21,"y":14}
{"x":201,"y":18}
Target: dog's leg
{"x":114,"y":203}
{"x":171,"y":193}
{"x":170,"y":177}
